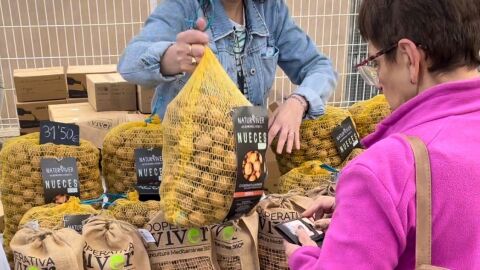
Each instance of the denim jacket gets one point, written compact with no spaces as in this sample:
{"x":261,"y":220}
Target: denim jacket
{"x":272,"y":38}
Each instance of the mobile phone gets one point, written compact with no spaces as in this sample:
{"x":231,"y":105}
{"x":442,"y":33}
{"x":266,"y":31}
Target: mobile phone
{"x":288,"y":230}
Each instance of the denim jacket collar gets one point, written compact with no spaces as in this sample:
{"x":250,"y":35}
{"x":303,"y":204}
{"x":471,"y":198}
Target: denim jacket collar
{"x":221,"y":25}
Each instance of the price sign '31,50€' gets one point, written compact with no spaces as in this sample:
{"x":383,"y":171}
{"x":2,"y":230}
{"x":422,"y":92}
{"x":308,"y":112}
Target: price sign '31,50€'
{"x":59,"y":133}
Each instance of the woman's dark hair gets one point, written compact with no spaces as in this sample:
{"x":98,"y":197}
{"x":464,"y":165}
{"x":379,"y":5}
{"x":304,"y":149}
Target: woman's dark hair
{"x":449,"y":29}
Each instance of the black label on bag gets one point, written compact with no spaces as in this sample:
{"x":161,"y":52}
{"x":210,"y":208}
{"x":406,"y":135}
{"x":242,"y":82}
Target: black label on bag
{"x":346,"y":138}
{"x":59,"y":133}
{"x":250,"y":126}
{"x":75,"y":222}
{"x":60,"y":179}
{"x":148,"y":166}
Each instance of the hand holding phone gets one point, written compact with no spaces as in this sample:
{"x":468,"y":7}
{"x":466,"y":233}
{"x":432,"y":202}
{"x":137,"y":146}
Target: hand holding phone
{"x":288,"y":230}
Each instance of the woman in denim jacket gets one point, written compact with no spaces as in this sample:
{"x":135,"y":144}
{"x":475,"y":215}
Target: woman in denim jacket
{"x":250,"y":38}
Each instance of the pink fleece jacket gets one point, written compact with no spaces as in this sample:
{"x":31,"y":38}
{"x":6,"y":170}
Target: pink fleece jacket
{"x":373,"y":226}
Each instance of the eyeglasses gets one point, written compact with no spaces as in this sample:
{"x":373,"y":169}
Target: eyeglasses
{"x":368,"y":68}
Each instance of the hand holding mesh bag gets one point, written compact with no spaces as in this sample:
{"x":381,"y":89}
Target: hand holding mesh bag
{"x":316,"y":142}
{"x":199,"y":149}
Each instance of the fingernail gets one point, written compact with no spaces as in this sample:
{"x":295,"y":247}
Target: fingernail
{"x":300,"y":227}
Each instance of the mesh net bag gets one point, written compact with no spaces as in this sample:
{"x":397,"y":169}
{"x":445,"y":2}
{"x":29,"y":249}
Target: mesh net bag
{"x":236,"y":243}
{"x":272,"y":210}
{"x":21,"y":181}
{"x":367,"y":114}
{"x":178,"y":248}
{"x":50,"y":216}
{"x":199,"y":162}
{"x":316,"y":141}
{"x":308,"y":176}
{"x":36,"y":249}
{"x":113,"y":244}
{"x":133,"y":211}
{"x":118,"y":159}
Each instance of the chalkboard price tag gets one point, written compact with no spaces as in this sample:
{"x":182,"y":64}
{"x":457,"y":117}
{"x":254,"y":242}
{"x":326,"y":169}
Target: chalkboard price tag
{"x":59,"y":133}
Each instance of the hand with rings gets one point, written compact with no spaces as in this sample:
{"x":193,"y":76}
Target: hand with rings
{"x":186,"y":52}
{"x":285,"y":124}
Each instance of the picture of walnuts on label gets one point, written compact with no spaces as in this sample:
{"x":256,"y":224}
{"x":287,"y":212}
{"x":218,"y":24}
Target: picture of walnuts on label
{"x":252,"y":166}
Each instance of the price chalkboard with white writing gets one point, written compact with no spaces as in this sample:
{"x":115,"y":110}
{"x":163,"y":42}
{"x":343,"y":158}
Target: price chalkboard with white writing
{"x":59,"y":133}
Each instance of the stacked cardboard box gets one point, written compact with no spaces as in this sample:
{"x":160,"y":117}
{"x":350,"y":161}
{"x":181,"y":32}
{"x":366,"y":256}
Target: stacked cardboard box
{"x":145,"y":97}
{"x":36,"y":89}
{"x":77,"y":79}
{"x":110,"y":92}
{"x":93,"y":125}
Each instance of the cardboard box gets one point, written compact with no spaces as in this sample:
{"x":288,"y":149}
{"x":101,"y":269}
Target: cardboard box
{"x":77,"y":78}
{"x":110,"y":92}
{"x":144,"y":97}
{"x":93,"y":125}
{"x":31,"y":113}
{"x":40,"y":84}
{"x":77,"y":100}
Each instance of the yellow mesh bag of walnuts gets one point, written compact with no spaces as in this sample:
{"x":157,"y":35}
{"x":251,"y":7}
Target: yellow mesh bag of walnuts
{"x":199,"y":162}
{"x":275,"y":209}
{"x":21,"y":182}
{"x":308,"y":176}
{"x":118,"y":159}
{"x":316,"y":142}
{"x":134,"y":211}
{"x":50,"y":216}
{"x":368,"y":113}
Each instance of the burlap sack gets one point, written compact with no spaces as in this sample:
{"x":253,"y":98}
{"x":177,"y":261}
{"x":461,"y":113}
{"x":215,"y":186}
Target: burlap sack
{"x":46,"y":249}
{"x":118,"y":159}
{"x":236,"y":243}
{"x":133,"y":211}
{"x":113,"y":245}
{"x":308,"y":176}
{"x":272,"y":210}
{"x":316,"y":142}
{"x":368,"y":113}
{"x":178,"y":248}
{"x":199,"y":162}
{"x":327,"y":189}
{"x":50,"y":216}
{"x":21,"y":182}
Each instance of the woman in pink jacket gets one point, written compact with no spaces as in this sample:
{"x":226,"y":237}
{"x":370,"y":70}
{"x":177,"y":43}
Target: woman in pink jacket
{"x":424,"y":57}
